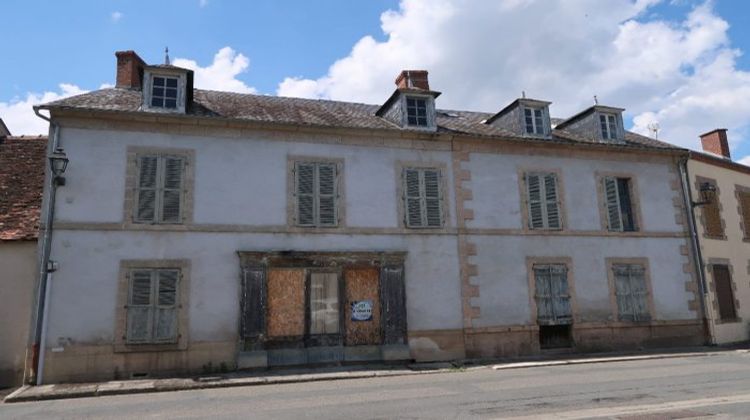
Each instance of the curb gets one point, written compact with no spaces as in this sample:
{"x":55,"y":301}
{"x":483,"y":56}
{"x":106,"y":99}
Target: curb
{"x":522,"y":365}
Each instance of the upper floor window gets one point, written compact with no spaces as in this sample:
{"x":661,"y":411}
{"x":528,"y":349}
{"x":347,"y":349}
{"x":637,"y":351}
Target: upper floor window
{"x":164,"y":92}
{"x":160,"y":189}
{"x":608,"y":124}
{"x":534,"y":120}
{"x":423,"y":197}
{"x":416,"y":112}
{"x":316,"y":190}
{"x":712,"y":221}
{"x":543,"y":201}
{"x":631,"y":292}
{"x":619,"y":207}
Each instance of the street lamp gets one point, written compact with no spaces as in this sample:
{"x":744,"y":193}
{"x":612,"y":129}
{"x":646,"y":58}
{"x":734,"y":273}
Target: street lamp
{"x":58,"y":162}
{"x":708,"y":193}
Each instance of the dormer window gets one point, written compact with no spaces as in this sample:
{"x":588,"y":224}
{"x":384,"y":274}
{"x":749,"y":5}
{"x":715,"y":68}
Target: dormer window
{"x":164,"y":92}
{"x":608,"y":124}
{"x":416,"y":112}
{"x":534,"y":120}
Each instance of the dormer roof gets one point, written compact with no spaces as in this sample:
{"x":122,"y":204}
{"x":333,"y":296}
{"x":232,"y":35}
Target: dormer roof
{"x":536,"y":103}
{"x":588,"y":111}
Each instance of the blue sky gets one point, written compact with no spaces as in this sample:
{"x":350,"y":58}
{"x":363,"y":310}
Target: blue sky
{"x":682,"y":63}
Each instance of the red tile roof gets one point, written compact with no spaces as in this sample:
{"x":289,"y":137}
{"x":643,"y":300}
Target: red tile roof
{"x":22,"y":161}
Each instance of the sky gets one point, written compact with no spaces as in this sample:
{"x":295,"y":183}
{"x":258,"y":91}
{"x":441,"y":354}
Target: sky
{"x":683,"y":65}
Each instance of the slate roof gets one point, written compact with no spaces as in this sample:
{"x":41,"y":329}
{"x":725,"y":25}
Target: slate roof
{"x":321,"y":113}
{"x":22,"y":161}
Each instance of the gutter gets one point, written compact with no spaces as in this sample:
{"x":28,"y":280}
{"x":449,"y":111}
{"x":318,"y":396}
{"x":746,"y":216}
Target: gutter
{"x":42,"y":303}
{"x":687,"y":195}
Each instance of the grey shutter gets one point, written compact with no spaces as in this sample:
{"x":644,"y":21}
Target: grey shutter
{"x":552,"y":203}
{"x":543,"y":296}
{"x":327,"y":195}
{"x":639,"y":292}
{"x":623,"y":293}
{"x":612,"y":199}
{"x":139,"y":309}
{"x":412,"y":198}
{"x":305,"y":181}
{"x":393,"y":297}
{"x":172,"y":189}
{"x":147,"y":188}
{"x":253,"y":304}
{"x":433,"y":210}
{"x":534,"y":190}
{"x":560,"y":294}
{"x":165,"y":315}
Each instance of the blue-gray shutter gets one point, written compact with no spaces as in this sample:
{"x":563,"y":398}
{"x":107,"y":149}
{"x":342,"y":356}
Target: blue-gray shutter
{"x":393,"y":302}
{"x":172,"y":189}
{"x":432,"y":201}
{"x":631,"y":292}
{"x":166,"y":306}
{"x":327,"y":194}
{"x":146,"y":191}
{"x":552,"y":202}
{"x":305,"y":190}
{"x":534,"y":194}
{"x":612,"y":201}
{"x":412,"y":198}
{"x":140,"y":307}
{"x":551,"y":294}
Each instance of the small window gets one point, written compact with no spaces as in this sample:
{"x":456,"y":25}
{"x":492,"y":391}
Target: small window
{"x":543,"y":201}
{"x":534,"y":120}
{"x":423,"y":198}
{"x":316,"y":194}
{"x":416,"y":112}
{"x":724,"y":292}
{"x":152,"y":306}
{"x":619,"y":208}
{"x":552,"y":295}
{"x":609,"y":126}
{"x":160,"y":188}
{"x":164,"y":92}
{"x":631,"y":292}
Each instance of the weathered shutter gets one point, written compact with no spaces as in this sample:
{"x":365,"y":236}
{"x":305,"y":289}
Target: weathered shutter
{"x":147,"y":188}
{"x":393,"y":297}
{"x":552,"y":203}
{"x":412,"y":198}
{"x":612,"y":199}
{"x":536,"y":212}
{"x":327,"y":194}
{"x":623,"y":293}
{"x":724,"y":293}
{"x":172,"y":191}
{"x":305,"y":181}
{"x":165,"y":316}
{"x":744,"y":198}
{"x":639,"y":292}
{"x":543,"y":296}
{"x":253,"y":304}
{"x":139,"y":309}
{"x":433,"y":210}
{"x":560,"y":294}
{"x":712,"y":218}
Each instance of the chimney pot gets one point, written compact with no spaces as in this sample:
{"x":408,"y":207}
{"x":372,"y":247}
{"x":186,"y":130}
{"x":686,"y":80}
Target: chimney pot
{"x":413,"y":79}
{"x":129,"y":69}
{"x":716,"y":142}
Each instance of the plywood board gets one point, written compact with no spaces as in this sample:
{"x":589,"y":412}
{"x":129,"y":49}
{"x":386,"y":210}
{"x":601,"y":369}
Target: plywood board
{"x":286,"y":303}
{"x":362,"y":284}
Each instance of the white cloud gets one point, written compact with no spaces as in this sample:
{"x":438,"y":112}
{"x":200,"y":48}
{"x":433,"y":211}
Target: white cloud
{"x":19,"y":116}
{"x":116,"y":16}
{"x":482,"y":53}
{"x":222,"y":73}
{"x":745,"y":160}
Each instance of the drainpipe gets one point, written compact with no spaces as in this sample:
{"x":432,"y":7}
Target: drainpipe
{"x":45,"y":268}
{"x":695,"y":245}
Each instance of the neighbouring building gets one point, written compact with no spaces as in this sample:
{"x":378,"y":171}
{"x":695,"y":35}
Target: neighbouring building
{"x":22,"y":160}
{"x":201,"y":230}
{"x":720,"y":189}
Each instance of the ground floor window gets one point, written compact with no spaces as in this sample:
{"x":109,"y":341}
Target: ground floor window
{"x":552,"y":297}
{"x":724,"y":293}
{"x":152,"y":306}
{"x":631,"y":292}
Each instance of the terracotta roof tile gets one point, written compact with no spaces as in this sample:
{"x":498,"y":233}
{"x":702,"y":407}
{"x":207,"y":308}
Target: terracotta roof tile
{"x":22,"y":161}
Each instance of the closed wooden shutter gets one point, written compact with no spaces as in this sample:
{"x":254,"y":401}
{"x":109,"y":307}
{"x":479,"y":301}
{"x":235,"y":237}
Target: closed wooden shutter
{"x":552,"y":201}
{"x":724,"y":292}
{"x":712,"y":218}
{"x":551,"y":294}
{"x":171,"y":203}
{"x":422,"y":198}
{"x":432,"y":200}
{"x":148,"y":169}
{"x":305,"y":173}
{"x":317,"y":194}
{"x":631,"y":292}
{"x":543,"y":201}
{"x":165,"y":316}
{"x":327,"y":194}
{"x":140,"y":307}
{"x":536,"y":211}
{"x":744,"y":198}
{"x":393,"y":300}
{"x":413,"y":199}
{"x":612,"y":201}
{"x":253,"y":303}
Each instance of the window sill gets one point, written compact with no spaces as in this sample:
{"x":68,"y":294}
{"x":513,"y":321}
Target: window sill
{"x":149,"y":347}
{"x":715,"y":237}
{"x":728,"y":321}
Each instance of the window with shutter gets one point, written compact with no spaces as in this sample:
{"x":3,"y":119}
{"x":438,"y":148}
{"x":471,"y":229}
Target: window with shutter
{"x":618,"y":205}
{"x":724,"y":292}
{"x":631,"y":292}
{"x":316,"y":190}
{"x":543,"y":201}
{"x":551,"y":294}
{"x":423,"y":198}
{"x":152,"y":306}
{"x":712,"y":222}
{"x":744,"y":199}
{"x":160,"y":188}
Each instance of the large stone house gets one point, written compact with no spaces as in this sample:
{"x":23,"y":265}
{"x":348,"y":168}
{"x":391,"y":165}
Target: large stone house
{"x":201,"y":230}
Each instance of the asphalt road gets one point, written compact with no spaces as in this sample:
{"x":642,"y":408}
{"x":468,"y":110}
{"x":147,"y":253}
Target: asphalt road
{"x":713,"y":387}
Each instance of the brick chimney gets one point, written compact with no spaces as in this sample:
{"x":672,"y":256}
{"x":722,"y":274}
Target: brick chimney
{"x":715,"y":142}
{"x":129,"y":70}
{"x":413,"y":79}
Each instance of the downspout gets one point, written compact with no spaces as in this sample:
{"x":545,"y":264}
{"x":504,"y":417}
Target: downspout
{"x":696,"y":249}
{"x":42,"y":305}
